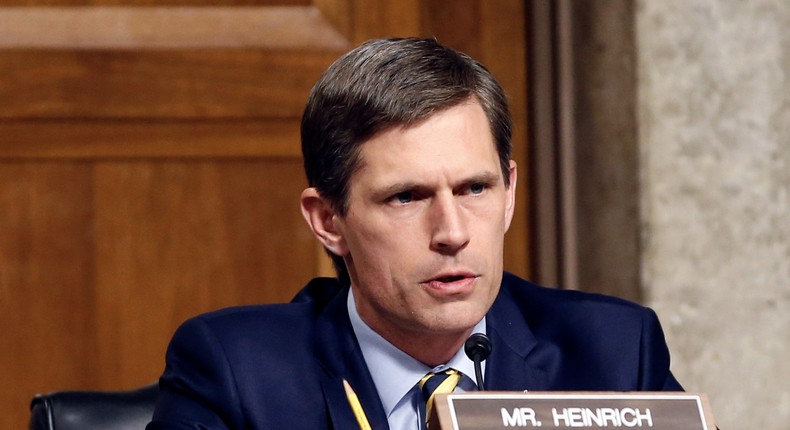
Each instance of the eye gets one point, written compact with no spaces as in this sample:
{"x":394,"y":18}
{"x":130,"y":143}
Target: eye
{"x":403,"y":197}
{"x":477,"y":188}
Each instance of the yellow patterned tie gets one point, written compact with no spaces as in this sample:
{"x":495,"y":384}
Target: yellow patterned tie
{"x":437,"y":383}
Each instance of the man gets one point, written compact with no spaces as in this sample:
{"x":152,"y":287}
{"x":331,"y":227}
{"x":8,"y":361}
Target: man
{"x":406,"y":146}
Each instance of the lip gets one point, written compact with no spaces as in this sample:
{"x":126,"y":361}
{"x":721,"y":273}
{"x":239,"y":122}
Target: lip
{"x":450,"y":283}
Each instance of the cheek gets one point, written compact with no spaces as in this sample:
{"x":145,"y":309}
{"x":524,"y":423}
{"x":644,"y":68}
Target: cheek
{"x":389,"y":258}
{"x":371,"y":253}
{"x":487,"y":221}
{"x":380,"y":237}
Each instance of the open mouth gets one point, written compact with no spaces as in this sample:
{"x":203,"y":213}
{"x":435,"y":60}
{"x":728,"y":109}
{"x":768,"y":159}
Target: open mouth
{"x":454,"y":285}
{"x":448,"y":279}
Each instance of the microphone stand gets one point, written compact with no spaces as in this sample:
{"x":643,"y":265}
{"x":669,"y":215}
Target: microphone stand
{"x":478,"y":348}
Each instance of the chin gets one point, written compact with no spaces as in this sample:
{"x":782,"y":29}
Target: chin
{"x":456,"y":321}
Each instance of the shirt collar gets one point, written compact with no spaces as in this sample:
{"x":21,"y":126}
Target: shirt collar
{"x":393,"y":371}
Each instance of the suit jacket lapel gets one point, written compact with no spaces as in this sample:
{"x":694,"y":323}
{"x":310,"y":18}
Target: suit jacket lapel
{"x":341,"y":358}
{"x":517,"y":357}
{"x":518,"y":361}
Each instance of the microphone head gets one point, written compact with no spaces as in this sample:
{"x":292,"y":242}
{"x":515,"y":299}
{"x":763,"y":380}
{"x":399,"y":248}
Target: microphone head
{"x":477,"y":347}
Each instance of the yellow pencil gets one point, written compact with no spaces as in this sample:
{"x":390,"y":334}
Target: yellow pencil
{"x":359,"y":413}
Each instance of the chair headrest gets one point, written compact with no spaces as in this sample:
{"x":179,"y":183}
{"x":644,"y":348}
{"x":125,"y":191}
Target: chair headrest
{"x":94,"y":410}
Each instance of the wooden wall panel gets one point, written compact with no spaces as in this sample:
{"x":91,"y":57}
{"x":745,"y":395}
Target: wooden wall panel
{"x":385,"y":18}
{"x":46,"y":275}
{"x":108,"y":139}
{"x":39,"y":3}
{"x":167,"y":27}
{"x":158,"y":84}
{"x":194,"y":236}
{"x":101,"y":260}
{"x":146,"y":177}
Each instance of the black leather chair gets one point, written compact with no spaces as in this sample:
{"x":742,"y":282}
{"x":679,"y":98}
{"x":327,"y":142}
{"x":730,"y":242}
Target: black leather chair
{"x":94,"y":410}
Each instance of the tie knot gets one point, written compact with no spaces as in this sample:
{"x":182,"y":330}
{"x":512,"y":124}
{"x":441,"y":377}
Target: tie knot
{"x":437,"y":383}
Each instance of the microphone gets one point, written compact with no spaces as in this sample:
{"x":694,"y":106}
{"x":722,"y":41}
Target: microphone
{"x":478,"y":348}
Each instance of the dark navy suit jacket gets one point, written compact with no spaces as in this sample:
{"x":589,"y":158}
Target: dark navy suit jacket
{"x":282,"y":366}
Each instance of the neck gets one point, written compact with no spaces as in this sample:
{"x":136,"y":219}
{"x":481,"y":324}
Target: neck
{"x":434,"y":350}
{"x":431,"y":349}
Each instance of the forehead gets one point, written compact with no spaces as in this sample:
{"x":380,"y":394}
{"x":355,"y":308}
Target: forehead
{"x":448,"y":144}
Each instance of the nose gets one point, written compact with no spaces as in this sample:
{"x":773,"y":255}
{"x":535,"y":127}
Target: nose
{"x":449,"y":230}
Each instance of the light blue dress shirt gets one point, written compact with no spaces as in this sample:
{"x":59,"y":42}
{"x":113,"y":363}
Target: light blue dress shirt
{"x":396,"y":373}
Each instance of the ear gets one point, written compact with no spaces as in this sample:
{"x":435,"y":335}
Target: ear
{"x":510,"y":198}
{"x":321,"y":218}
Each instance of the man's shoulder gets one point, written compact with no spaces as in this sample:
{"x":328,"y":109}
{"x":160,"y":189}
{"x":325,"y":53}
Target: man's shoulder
{"x":270,"y":320}
{"x":583,"y":341}
{"x":560,"y":296}
{"x":539,"y":303}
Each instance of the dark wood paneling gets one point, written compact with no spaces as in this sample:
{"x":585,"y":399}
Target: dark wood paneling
{"x":102,"y":260}
{"x":206,"y":84}
{"x":167,"y":28}
{"x":183,"y":237}
{"x":503,"y":40}
{"x":38,"y":3}
{"x":65,"y":139}
{"x":46,"y":281}
{"x":384,"y":18}
{"x":463,"y":14}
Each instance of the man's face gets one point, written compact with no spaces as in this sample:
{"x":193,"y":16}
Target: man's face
{"x":423,"y":236}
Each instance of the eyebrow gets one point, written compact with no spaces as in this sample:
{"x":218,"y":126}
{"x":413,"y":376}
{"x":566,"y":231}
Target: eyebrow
{"x":486,"y":177}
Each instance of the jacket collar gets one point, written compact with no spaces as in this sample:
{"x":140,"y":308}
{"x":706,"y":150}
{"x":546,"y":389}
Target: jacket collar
{"x":517,"y":360}
{"x":340,"y":358}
